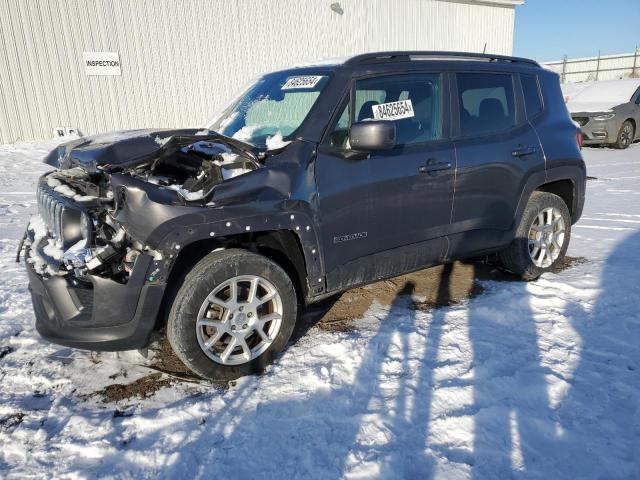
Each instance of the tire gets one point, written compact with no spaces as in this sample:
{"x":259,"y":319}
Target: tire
{"x":193,"y":323}
{"x":531,"y":241}
{"x":625,"y":135}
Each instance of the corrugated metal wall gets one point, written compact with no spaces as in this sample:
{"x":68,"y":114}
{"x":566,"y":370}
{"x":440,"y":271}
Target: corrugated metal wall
{"x":182,"y":59}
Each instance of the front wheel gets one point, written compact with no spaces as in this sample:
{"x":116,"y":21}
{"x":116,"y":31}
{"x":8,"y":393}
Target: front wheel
{"x":625,"y":135}
{"x":233,"y":314}
{"x":542,"y":238}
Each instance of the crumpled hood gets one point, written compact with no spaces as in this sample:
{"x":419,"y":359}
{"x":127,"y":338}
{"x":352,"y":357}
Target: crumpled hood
{"x":124,"y":148}
{"x":111,"y":148}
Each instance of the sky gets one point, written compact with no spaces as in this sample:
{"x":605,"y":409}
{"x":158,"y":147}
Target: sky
{"x":548,"y":29}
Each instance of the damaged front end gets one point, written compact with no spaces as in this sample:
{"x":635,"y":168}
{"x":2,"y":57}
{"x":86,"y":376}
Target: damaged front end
{"x":95,"y":283}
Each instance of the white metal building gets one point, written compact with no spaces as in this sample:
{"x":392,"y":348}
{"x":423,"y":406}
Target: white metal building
{"x":175,"y":62}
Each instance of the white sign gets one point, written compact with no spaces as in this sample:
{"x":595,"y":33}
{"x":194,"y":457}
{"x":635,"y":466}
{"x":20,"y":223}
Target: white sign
{"x":393,"y":110}
{"x":101,"y":63}
{"x":308,"y":81}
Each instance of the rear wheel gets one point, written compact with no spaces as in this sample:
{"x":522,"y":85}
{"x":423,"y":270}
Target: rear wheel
{"x":542,"y":238}
{"x":625,"y":135}
{"x":232,"y":316}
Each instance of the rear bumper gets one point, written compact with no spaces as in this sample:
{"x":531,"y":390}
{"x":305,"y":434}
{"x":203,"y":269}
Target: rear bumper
{"x":99,"y":314}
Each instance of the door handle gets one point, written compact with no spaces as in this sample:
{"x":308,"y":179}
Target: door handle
{"x":523,"y":151}
{"x":432,"y":167}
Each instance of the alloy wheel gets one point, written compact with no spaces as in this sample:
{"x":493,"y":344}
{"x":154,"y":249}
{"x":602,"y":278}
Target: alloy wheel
{"x":626,"y":136}
{"x":546,"y":237}
{"x":239,"y":319}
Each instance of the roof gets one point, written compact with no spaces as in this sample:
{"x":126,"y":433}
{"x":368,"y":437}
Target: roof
{"x":384,"y":57}
{"x":408,"y":55}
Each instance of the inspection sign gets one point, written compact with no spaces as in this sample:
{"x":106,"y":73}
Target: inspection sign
{"x":101,"y":63}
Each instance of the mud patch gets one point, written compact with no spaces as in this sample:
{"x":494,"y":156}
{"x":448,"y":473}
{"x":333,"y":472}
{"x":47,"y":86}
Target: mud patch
{"x":433,"y":287}
{"x":165,"y":361}
{"x":11,"y":421}
{"x":142,"y":388}
{"x":5,"y":350}
{"x":568,"y":262}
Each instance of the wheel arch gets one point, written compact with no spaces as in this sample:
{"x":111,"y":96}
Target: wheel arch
{"x":284,"y":247}
{"x":567,"y":181}
{"x":635,"y":126}
{"x":565,"y":189}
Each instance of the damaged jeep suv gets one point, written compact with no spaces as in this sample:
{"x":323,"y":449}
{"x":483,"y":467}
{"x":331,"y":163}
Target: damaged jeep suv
{"x":315,"y":180}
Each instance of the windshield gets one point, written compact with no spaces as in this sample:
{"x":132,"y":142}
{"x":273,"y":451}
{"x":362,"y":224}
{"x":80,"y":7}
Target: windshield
{"x":271,"y":110}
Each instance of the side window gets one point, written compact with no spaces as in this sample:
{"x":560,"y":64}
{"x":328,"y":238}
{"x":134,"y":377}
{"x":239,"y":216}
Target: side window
{"x":637,"y":94}
{"x":412,"y":101}
{"x":531,"y":93}
{"x":486,"y":102}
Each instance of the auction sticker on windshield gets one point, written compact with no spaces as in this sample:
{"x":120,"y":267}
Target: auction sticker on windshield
{"x":307,"y":81}
{"x":393,"y":110}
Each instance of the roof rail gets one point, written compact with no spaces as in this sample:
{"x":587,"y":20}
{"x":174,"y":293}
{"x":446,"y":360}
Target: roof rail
{"x":406,"y":56}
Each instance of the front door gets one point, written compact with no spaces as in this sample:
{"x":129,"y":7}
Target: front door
{"x":388,"y":211}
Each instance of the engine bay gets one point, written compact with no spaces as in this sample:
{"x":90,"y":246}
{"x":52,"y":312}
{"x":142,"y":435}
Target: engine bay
{"x":193,"y":170}
{"x":75,"y":229}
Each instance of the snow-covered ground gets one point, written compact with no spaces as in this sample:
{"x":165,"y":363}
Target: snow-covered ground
{"x":538,"y":380}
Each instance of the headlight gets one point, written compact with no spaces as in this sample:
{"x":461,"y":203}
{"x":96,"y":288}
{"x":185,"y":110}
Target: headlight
{"x":606,"y":116}
{"x":86,"y":229}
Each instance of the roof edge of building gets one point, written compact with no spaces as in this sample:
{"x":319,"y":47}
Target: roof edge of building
{"x":493,"y":3}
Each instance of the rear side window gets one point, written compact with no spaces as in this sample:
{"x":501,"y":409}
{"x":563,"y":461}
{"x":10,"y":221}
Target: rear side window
{"x":486,"y":102}
{"x":532,"y":101}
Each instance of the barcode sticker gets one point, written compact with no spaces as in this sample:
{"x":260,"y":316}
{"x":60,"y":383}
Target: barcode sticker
{"x":308,"y":81}
{"x":393,"y":110}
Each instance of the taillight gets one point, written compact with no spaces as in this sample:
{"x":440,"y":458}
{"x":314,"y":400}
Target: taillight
{"x":579,"y":139}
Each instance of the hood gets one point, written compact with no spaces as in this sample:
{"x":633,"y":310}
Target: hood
{"x":116,"y":150}
{"x":599,"y":97}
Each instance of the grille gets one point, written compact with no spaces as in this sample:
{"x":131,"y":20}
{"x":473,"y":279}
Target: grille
{"x":62,"y":221}
{"x":50,"y":209}
{"x":582,"y":121}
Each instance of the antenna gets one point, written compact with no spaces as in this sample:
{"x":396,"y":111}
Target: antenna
{"x":484,"y":50}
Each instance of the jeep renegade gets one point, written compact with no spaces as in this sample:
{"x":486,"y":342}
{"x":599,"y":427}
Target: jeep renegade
{"x":315,"y":180}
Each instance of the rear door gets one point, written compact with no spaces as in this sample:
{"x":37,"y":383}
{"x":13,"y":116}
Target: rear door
{"x":496,"y":149}
{"x":384,"y":200}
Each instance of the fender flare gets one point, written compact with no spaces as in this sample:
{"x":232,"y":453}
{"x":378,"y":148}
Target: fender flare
{"x":296,"y":222}
{"x":574,"y":173}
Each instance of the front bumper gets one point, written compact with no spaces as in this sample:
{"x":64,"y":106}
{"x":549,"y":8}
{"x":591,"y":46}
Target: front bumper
{"x":97,"y":314}
{"x":597,"y":132}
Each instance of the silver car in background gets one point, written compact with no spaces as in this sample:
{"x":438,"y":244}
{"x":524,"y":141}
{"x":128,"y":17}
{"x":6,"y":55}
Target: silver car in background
{"x":608,"y":112}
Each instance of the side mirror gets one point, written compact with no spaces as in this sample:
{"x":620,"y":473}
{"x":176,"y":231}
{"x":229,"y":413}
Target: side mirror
{"x":372,"y":135}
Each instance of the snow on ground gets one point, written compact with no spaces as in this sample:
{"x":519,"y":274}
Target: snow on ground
{"x":538,"y":380}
